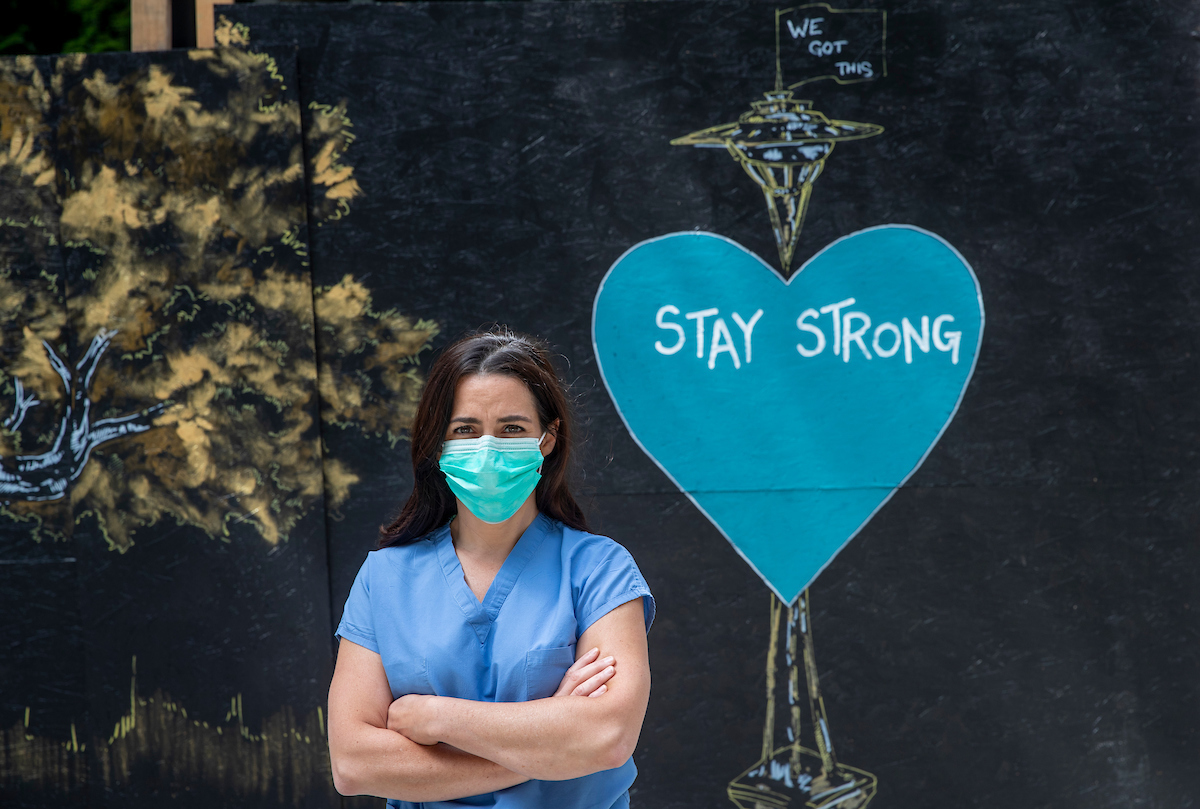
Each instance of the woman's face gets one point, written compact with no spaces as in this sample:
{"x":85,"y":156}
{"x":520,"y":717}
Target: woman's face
{"x":497,"y":405}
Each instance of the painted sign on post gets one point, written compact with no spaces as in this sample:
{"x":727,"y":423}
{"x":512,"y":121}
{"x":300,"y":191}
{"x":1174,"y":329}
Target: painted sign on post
{"x":816,"y":41}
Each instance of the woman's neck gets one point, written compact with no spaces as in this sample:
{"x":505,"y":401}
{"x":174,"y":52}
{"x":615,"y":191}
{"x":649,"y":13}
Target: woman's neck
{"x":488,"y":542}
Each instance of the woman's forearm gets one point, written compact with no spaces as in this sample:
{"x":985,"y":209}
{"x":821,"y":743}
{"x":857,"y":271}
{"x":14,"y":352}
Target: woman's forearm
{"x":550,"y":739}
{"x":547,"y":739}
{"x":380,"y":762}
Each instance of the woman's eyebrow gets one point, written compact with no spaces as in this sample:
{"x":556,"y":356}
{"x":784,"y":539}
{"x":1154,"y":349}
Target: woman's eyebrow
{"x":470,"y":420}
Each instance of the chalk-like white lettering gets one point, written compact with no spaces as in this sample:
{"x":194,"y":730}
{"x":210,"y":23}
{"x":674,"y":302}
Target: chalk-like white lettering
{"x":819,"y":47}
{"x":699,"y":318}
{"x":948,"y":341}
{"x":896,"y":340}
{"x":747,"y":329}
{"x":811,"y":329}
{"x":722,"y":341}
{"x":810,"y":27}
{"x":665,"y":325}
{"x":863,"y":69}
{"x":911,"y":336}
{"x":850,"y":335}
{"x":836,"y":310}
{"x":850,"y":328}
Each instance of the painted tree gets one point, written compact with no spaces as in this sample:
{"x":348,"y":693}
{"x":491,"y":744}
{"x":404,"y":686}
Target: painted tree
{"x":160,"y":327}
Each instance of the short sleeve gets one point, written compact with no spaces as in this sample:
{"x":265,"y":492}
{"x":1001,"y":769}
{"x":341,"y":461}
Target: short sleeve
{"x":604,"y":576}
{"x":357,"y":625}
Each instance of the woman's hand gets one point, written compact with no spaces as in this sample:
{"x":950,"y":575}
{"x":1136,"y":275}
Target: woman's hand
{"x":588,"y":677}
{"x":412,"y":715}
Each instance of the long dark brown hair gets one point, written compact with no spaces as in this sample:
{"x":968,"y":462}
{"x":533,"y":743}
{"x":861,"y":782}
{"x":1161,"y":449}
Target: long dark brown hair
{"x":498,"y":351}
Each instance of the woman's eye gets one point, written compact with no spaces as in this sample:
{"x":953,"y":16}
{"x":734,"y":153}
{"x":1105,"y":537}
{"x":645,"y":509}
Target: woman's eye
{"x":463,"y":430}
{"x":512,"y":428}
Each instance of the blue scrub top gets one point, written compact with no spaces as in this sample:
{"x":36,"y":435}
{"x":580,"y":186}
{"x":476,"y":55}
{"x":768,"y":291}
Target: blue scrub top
{"x":411,"y":605}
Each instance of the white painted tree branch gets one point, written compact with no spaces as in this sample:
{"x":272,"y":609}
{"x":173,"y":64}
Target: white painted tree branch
{"x":47,"y":476}
{"x":21,"y":405}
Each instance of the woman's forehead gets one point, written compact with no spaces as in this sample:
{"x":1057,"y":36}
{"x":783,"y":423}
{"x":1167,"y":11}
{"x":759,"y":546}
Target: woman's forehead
{"x":488,"y":392}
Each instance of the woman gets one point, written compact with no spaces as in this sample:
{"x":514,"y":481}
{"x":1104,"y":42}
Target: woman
{"x":477,"y":664}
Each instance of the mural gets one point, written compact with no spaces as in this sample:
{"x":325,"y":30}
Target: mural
{"x":167,"y":359}
{"x":789,"y":408}
{"x":1015,"y":626}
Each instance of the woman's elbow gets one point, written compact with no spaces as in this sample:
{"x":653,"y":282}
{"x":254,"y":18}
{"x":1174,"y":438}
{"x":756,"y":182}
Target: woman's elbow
{"x":615,"y":756}
{"x":345,"y":775}
{"x":618,"y":746}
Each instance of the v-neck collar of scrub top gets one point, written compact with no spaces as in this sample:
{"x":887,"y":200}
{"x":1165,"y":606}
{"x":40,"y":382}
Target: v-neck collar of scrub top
{"x":481,"y":615}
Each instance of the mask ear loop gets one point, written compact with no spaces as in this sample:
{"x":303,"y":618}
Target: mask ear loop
{"x":539,"y":443}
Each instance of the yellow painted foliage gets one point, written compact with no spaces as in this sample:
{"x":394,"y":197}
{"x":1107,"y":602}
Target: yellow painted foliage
{"x":175,"y":196}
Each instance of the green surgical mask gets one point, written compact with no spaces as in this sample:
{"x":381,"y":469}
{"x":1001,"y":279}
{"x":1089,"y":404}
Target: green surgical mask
{"x":492,"y":476}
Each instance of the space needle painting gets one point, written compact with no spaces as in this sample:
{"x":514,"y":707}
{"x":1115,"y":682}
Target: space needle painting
{"x":782,"y":143}
{"x":694,"y":325}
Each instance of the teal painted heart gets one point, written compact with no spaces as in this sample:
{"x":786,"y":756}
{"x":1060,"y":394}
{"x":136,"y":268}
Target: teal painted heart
{"x":789,"y":413}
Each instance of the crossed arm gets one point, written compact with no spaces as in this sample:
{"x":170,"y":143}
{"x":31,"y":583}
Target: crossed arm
{"x":425,"y":748}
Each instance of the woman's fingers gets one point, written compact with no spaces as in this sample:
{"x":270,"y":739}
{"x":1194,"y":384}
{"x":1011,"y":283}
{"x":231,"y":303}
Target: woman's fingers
{"x":588,"y":687}
{"x":573,"y":675}
{"x":584,"y":659}
{"x":586,"y":674}
{"x":598,"y":691}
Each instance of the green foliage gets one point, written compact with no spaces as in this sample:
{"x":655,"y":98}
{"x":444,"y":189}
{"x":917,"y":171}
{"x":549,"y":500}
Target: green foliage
{"x":63,"y":26}
{"x":104,"y":26}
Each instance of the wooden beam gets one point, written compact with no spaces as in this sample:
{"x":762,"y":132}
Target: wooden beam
{"x":150,"y":25}
{"x":206,"y":21}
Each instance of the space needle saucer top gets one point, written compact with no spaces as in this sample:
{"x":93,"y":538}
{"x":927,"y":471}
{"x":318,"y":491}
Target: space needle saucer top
{"x":782,"y":143}
{"x":780,"y":130}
